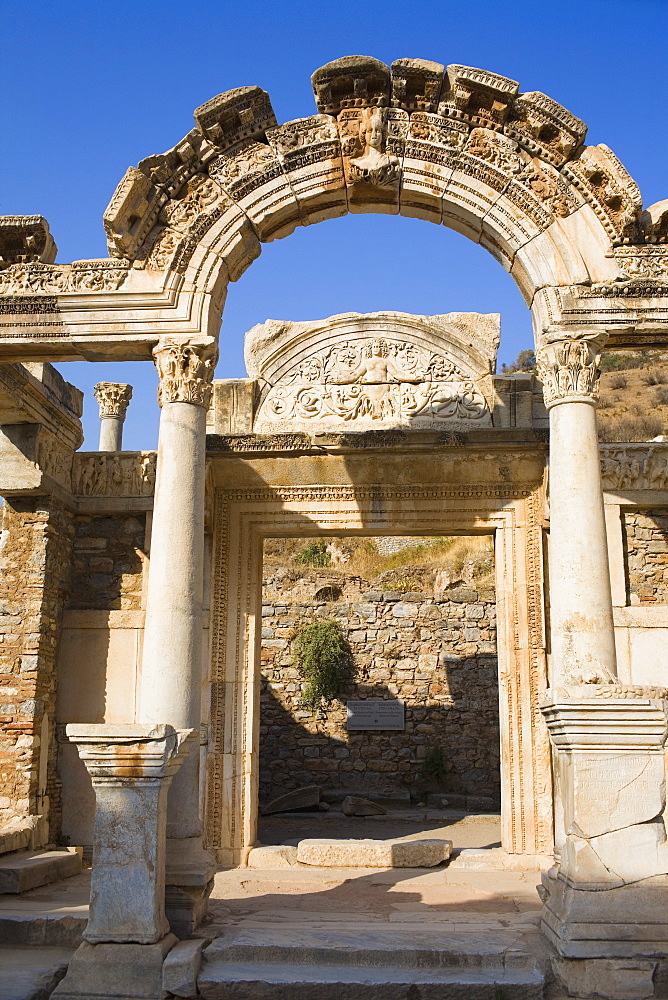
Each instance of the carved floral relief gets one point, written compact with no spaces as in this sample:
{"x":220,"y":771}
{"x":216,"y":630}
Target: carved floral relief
{"x":373,"y":382}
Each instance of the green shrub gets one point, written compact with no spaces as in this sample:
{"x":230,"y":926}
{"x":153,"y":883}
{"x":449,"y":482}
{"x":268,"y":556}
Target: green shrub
{"x":432,"y":767}
{"x":322,"y":656}
{"x":314,"y":554}
{"x":623,"y":362}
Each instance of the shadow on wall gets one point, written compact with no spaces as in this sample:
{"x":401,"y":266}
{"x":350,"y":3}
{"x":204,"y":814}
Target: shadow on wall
{"x":451,"y":748}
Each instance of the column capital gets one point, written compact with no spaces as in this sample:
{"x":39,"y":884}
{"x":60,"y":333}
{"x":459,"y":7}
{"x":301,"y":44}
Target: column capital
{"x":185,"y":368}
{"x":130,"y":754}
{"x":113,"y":398}
{"x":568,"y":364}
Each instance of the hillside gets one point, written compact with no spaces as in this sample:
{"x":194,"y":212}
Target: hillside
{"x":634,"y":396}
{"x":344,"y":568}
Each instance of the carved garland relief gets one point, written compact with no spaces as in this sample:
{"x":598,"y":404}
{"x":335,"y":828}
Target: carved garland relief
{"x":374,"y":382}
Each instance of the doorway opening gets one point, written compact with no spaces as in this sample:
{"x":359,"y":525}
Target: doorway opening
{"x":417,"y":617}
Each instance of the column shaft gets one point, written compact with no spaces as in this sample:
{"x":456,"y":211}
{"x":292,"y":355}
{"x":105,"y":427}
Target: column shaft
{"x":582,"y":633}
{"x":111,"y":433}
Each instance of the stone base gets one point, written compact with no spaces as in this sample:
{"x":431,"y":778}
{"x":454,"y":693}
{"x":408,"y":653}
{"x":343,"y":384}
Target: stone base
{"x":606,"y":978}
{"x":115,"y":972}
{"x":630,"y":921}
{"x":188,"y":884}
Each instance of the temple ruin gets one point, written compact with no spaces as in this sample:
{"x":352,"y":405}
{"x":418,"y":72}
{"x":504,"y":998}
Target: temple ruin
{"x":132,"y":582}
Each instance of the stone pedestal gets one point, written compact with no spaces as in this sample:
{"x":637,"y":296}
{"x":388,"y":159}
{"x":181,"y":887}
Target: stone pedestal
{"x":127,"y":936}
{"x":113,"y":398}
{"x":171,"y":678}
{"x":607,"y":899}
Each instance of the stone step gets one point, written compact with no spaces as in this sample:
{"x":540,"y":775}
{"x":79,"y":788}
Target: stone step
{"x":24,"y":870}
{"x":257,"y":981}
{"x":31,"y":973}
{"x":392,"y":947}
{"x":63,"y":928}
{"x":291,"y":962}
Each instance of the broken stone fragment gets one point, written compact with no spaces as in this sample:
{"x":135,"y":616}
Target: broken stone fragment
{"x":354,"y":805}
{"x":307,"y":797}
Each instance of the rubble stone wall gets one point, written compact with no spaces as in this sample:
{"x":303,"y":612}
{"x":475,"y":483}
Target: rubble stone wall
{"x":646,"y":545}
{"x":436,"y":655}
{"x":36,"y":551}
{"x":108,"y":562}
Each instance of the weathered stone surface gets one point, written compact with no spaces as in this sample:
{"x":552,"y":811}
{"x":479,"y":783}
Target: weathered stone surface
{"x":181,"y":968}
{"x":300,"y":798}
{"x":279,"y":856}
{"x":27,"y":870}
{"x":113,"y":971}
{"x":373,"y":853}
{"x":354,"y":805}
{"x":31,"y":973}
{"x":605,"y":979}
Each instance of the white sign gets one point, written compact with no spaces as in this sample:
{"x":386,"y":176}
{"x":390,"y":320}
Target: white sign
{"x":375,"y":713}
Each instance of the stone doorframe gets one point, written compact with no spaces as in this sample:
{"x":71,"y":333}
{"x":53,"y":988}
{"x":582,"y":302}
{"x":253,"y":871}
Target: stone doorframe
{"x":243,"y":518}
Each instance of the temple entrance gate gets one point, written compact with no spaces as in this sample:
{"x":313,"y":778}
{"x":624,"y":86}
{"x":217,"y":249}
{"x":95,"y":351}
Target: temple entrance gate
{"x":243,"y":517}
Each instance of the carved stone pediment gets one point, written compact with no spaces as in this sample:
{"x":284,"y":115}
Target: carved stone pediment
{"x":376,"y":371}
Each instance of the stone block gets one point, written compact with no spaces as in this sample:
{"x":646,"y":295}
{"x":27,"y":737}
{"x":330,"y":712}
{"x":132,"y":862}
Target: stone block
{"x":114,"y":971}
{"x":604,"y":979}
{"x":26,"y":870}
{"x":181,"y":968}
{"x":279,"y":856}
{"x":373,"y":853}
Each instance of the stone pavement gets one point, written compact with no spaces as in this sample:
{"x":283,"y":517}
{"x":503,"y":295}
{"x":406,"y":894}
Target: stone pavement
{"x":470,"y":902}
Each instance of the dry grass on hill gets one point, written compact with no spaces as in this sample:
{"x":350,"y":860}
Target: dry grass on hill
{"x":634,"y":397}
{"x":427,"y":565}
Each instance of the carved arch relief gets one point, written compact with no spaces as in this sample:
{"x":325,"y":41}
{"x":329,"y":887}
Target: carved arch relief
{"x":458,"y":146}
{"x":375,"y":371}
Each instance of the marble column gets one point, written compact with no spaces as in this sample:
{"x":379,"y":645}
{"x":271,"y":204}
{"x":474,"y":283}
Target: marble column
{"x":113,"y":398}
{"x":171,"y":677}
{"x":127,"y":935}
{"x":581,"y":632}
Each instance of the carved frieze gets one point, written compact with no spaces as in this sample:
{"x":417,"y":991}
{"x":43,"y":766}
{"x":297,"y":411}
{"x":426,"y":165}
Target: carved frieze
{"x":186,"y":370}
{"x":641,"y":261}
{"x":634,"y":467}
{"x":373,"y":372}
{"x":82,"y":276}
{"x":126,"y":474}
{"x":373,"y":382}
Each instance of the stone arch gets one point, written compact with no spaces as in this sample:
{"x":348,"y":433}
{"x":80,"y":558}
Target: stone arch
{"x":460,"y":147}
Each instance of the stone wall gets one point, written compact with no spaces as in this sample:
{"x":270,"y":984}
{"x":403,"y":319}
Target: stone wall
{"x":646,"y":545}
{"x":36,"y":560}
{"x":108,"y":562}
{"x":437,"y":655}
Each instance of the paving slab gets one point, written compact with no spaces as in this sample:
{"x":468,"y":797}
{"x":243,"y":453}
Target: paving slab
{"x":31,"y":973}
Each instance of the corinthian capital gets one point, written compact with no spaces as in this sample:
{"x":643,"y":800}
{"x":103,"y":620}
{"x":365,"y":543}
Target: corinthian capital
{"x":186,"y":369}
{"x":113,"y":398}
{"x":568,"y":365}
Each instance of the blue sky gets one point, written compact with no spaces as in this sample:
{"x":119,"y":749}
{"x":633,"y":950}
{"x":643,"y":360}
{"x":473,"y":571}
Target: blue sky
{"x":89,"y":89}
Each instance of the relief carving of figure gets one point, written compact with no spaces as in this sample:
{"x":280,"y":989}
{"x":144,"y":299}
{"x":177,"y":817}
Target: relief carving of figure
{"x":373,"y":166}
{"x":374,"y":380}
